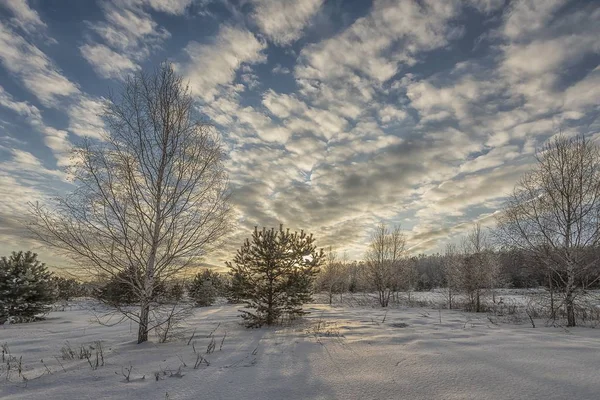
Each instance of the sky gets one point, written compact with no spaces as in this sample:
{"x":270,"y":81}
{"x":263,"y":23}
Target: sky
{"x":336,"y":114}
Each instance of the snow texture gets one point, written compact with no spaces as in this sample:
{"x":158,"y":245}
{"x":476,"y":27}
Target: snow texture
{"x":334,"y":353}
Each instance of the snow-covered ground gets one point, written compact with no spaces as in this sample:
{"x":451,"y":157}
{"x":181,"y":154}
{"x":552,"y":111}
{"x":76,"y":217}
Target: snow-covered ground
{"x":334,"y":353}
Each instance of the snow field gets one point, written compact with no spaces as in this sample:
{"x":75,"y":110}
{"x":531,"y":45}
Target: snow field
{"x":333,"y":353}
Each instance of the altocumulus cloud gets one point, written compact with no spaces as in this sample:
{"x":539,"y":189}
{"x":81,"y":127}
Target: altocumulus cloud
{"x":336,"y":114}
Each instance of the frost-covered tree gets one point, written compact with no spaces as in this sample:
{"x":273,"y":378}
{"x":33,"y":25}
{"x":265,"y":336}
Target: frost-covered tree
{"x":150,"y":197}
{"x":477,"y":270}
{"x":553,"y":216}
{"x":275,"y":270}
{"x":333,"y":277}
{"x":384,"y":261}
{"x":407,"y":276}
{"x":451,"y":267}
{"x":26,"y":287}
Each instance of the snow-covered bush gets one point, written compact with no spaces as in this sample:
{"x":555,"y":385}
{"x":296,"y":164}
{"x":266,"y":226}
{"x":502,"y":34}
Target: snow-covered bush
{"x":203,"y":289}
{"x":26,"y":288}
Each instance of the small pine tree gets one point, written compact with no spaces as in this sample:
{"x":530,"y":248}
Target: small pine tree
{"x":235,"y":287}
{"x":203,"y":289}
{"x":123,"y":289}
{"x":119,"y":289}
{"x":175,"y":292}
{"x":274,"y":273}
{"x":26,"y":289}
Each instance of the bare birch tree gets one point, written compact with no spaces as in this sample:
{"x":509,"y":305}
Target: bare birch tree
{"x":407,"y":276}
{"x":383,"y":259}
{"x":333,"y":275}
{"x":554,"y":215}
{"x":451,"y":267}
{"x":477,"y":270}
{"x":150,"y":197}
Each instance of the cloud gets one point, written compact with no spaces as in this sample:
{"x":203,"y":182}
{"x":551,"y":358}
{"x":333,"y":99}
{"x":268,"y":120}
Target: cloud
{"x":537,"y":58}
{"x":424,"y":238}
{"x":460,"y":193}
{"x":460,"y":100}
{"x":213,"y":64}
{"x":174,"y":7}
{"x":129,"y":33}
{"x":527,"y":17}
{"x":495,"y":157}
{"x":24,"y":16}
{"x":106,"y":62}
{"x":20,"y":107}
{"x":340,"y":172}
{"x":25,"y":158}
{"x":283,"y":21}
{"x":388,"y":116}
{"x":45,"y":81}
{"x":301,"y":118}
{"x":283,"y":105}
{"x":24,"y":179}
{"x":15,"y":191}
{"x":366,"y":46}
{"x":278,"y":69}
{"x":390,"y":113}
{"x":243,"y":124}
{"x":37,"y":72}
{"x":85,"y":117}
{"x":548,"y":56}
{"x":585,"y":93}
{"x":262,"y":125}
{"x":57,"y":140}
{"x":487,"y":6}
{"x":128,"y":27}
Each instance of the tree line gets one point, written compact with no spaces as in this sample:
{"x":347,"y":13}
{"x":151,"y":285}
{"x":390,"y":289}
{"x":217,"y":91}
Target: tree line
{"x":28,"y":289}
{"x":546,"y":234}
{"x":458,"y":270}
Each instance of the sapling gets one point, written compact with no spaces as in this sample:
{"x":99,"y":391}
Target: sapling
{"x":223,"y":341}
{"x":182,"y":362}
{"x":211,"y":346}
{"x":199,"y":358}
{"x":67,"y":353}
{"x":191,"y":337}
{"x":126,"y":372}
{"x":59,"y":363}
{"x":214,"y":330}
{"x":5,"y":352}
{"x":46,"y":367}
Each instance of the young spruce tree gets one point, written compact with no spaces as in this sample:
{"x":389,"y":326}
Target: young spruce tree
{"x":26,"y":288}
{"x":274,"y":272}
